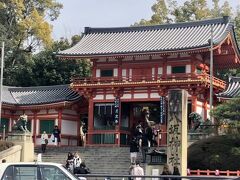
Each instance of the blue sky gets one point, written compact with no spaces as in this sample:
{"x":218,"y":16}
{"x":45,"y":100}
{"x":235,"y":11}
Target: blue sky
{"x":77,"y":14}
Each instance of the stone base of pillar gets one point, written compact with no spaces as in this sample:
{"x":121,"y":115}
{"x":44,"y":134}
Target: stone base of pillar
{"x":24,"y":140}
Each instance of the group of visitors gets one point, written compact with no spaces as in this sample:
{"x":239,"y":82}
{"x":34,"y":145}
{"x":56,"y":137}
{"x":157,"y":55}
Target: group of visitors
{"x":75,"y":164}
{"x":166,"y":171}
{"x":55,"y":138}
{"x":141,"y":141}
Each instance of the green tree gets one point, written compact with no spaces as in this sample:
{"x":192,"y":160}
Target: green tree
{"x":229,"y":110}
{"x":24,"y":27}
{"x":48,"y":70}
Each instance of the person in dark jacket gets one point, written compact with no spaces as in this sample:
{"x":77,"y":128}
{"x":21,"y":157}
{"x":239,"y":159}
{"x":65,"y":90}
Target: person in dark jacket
{"x":176,"y":173}
{"x":166,"y":171}
{"x":82,"y":169}
{"x":143,"y":142}
{"x":134,"y":149}
{"x":56,"y":133}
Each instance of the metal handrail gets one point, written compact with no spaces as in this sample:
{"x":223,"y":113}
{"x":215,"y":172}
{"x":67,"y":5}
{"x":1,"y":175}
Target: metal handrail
{"x":125,"y":177}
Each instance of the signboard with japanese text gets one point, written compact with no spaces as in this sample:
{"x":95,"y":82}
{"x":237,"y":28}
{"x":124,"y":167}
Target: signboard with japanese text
{"x":162,"y":110}
{"x":116,"y":110}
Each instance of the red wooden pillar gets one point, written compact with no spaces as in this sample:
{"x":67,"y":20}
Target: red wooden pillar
{"x":34,"y":122}
{"x":90,"y":121}
{"x":194,"y":103}
{"x":60,"y":122}
{"x":60,"y":119}
{"x":205,"y":103}
{"x":78,"y":131}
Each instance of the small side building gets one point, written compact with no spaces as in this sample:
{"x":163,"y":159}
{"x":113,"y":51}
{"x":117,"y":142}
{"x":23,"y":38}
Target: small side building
{"x":45,"y":107}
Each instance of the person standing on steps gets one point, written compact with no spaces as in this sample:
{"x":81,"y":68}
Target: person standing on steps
{"x":44,"y":141}
{"x":134,"y":149}
{"x":143,"y":142}
{"x":56,"y":134}
{"x":166,"y":171}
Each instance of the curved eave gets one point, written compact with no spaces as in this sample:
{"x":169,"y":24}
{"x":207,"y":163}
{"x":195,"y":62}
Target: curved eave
{"x":140,"y":53}
{"x":39,"y":106}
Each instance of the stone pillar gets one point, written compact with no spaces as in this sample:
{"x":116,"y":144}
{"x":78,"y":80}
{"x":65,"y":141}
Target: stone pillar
{"x":24,"y":140}
{"x":177,"y":130}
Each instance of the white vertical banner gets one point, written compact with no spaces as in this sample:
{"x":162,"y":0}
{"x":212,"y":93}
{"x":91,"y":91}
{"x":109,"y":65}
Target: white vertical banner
{"x":177,"y":130}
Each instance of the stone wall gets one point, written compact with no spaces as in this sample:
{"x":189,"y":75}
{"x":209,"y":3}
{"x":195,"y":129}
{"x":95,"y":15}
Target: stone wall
{"x":13,"y":154}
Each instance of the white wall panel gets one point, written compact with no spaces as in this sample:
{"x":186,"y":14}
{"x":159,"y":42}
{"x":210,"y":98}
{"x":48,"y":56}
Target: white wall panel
{"x":188,"y":68}
{"x":52,"y":111}
{"x":154,"y":95}
{"x":200,"y":111}
{"x":69,"y":111}
{"x":69,"y":127}
{"x":115,"y":72}
{"x":142,"y":95}
{"x":126,"y":96}
{"x":160,"y":71}
{"x":97,"y":72}
{"x":169,"y":69}
{"x":99,"y":97}
{"x":110,"y":96}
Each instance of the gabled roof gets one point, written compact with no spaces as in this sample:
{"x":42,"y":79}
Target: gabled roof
{"x":233,"y":89}
{"x":38,"y":95}
{"x":165,"y":38}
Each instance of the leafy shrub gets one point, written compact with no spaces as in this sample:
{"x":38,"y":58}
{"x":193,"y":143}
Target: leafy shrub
{"x":219,"y":152}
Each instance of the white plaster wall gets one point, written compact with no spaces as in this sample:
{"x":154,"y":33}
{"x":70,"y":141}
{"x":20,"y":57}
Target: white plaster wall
{"x":110,"y":96}
{"x":97,"y":72}
{"x":140,"y":95}
{"x":124,"y":72}
{"x":70,"y":127}
{"x":52,"y":111}
{"x":37,"y":126}
{"x":208,"y":111}
{"x":99,"y":97}
{"x":199,"y":103}
{"x":169,"y":69}
{"x":115,"y":72}
{"x":153,"y":72}
{"x":154,"y":95}
{"x":160,"y":71}
{"x":188,"y":68}
{"x":200,"y":111}
{"x":28,"y":112}
{"x":130,"y":73}
{"x":69,"y":111}
{"x":43,"y":111}
{"x":126,"y":96}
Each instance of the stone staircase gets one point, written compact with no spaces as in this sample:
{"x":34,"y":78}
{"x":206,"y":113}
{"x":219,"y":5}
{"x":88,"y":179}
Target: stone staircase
{"x":100,"y":160}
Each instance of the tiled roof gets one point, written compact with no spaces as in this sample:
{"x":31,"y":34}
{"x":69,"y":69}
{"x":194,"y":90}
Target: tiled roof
{"x":153,"y":39}
{"x":233,"y":89}
{"x":38,"y":95}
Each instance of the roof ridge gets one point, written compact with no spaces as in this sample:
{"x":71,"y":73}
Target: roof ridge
{"x":31,"y":88}
{"x":222,"y":20}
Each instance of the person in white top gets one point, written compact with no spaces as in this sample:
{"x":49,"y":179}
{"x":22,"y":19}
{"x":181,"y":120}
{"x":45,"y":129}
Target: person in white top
{"x":138,"y":171}
{"x":76,"y":161}
{"x":44,"y":141}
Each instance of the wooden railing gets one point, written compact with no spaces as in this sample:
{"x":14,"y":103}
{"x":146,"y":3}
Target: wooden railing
{"x":154,"y":79}
{"x":207,"y":172}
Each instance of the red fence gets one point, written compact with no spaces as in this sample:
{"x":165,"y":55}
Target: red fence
{"x":199,"y":172}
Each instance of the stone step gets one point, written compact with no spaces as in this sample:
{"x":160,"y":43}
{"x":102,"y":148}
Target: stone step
{"x":100,"y":160}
